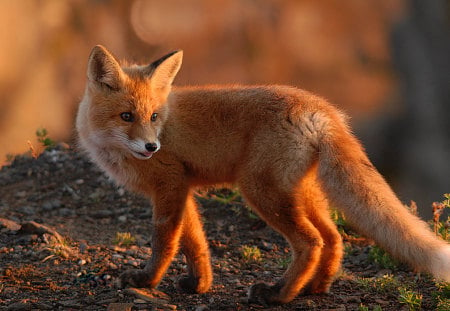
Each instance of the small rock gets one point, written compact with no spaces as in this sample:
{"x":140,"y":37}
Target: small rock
{"x":31,"y":227}
{"x":119,"y":306}
{"x":350,"y":299}
{"x":382,"y":302}
{"x":104,"y":213}
{"x":42,"y":306}
{"x":81,"y":262}
{"x":27,"y":210}
{"x":19,"y":306}
{"x":383,"y":272}
{"x":27,"y":239}
{"x":117,"y":256}
{"x":65,"y":212}
{"x":202,"y":308}
{"x":9,"y":225}
{"x":51,"y":204}
{"x":73,"y":303}
{"x":20,"y":194}
{"x":267,"y":246}
{"x":122,"y":218}
{"x":150,"y":295}
{"x":97,"y":194}
{"x":83,"y":247}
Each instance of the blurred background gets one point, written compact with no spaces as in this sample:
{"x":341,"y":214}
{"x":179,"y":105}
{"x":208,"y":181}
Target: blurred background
{"x":384,"y":62}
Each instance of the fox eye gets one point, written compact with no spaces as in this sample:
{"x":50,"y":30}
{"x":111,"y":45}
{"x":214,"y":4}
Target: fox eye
{"x":154,"y":117}
{"x":127,"y":116}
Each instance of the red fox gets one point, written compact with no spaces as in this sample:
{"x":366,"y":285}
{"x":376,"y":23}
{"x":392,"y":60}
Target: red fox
{"x":290,"y":153}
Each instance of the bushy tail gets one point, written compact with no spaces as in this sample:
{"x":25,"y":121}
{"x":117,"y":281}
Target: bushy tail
{"x":356,"y":188}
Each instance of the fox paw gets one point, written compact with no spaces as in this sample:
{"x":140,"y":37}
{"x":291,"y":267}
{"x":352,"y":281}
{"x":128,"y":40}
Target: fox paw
{"x":133,"y":278}
{"x":263,"y":294}
{"x":193,"y":285}
{"x":188,"y":284}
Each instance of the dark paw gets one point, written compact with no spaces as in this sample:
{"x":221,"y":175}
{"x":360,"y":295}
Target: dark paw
{"x":188,"y":284}
{"x":194,"y":285}
{"x":133,"y":278}
{"x":263,"y":294}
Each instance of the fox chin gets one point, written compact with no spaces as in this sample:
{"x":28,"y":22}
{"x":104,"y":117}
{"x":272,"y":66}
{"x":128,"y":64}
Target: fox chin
{"x":291,"y":154}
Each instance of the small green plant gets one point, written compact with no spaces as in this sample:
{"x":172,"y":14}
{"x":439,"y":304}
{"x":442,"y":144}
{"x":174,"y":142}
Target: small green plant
{"x":382,"y":285}
{"x":409,"y":298}
{"x":42,"y":136}
{"x":226,"y":196}
{"x":338,"y":218}
{"x":284,"y":261}
{"x":58,"y":248}
{"x":442,"y":296}
{"x":441,"y":228}
{"x":363,"y":308}
{"x":124,"y":239}
{"x":349,"y":250}
{"x":381,"y":258}
{"x":250,"y":254}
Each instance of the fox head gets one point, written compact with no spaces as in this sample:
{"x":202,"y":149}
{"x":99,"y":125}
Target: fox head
{"x":124,"y":108}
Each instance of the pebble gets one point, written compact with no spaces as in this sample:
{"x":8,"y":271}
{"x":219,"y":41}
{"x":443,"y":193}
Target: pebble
{"x":51,"y":204}
{"x":27,"y":210}
{"x":9,"y":225}
{"x":79,"y":181}
{"x":119,"y":307}
{"x":104,"y":213}
{"x":117,"y":256}
{"x":20,"y":194}
{"x":83,"y":247}
{"x":120,"y":191}
{"x":32,"y":227}
{"x":73,"y":303}
{"x":19,"y":306}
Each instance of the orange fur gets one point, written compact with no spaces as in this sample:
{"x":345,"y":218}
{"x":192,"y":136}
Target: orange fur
{"x":290,"y":153}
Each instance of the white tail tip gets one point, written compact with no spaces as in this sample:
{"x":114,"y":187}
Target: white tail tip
{"x":441,"y":264}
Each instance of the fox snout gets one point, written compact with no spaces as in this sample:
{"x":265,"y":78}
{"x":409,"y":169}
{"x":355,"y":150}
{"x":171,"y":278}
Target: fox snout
{"x":143,"y":150}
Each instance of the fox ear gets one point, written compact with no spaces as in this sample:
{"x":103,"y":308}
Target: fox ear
{"x":104,"y":69}
{"x":164,"y":70}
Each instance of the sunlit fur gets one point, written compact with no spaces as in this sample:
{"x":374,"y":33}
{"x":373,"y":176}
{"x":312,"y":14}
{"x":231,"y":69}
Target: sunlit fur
{"x":290,"y":152}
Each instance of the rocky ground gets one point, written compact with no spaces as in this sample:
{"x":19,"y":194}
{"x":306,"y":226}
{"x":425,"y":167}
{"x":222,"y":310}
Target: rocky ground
{"x":63,"y":241}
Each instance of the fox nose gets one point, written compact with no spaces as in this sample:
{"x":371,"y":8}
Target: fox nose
{"x":151,"y":147}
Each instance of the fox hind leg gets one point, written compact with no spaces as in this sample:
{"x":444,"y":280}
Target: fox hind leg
{"x":316,"y":206}
{"x":282,"y":213}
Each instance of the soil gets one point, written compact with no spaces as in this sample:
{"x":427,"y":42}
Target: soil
{"x":59,"y":248}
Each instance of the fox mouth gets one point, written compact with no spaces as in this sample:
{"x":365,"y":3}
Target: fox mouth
{"x":143,"y":155}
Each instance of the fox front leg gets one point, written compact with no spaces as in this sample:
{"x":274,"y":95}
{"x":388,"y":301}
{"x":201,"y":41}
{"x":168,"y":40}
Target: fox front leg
{"x":167,"y":221}
{"x":195,"y":247}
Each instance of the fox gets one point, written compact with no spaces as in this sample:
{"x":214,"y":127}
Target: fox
{"x":291,"y":154}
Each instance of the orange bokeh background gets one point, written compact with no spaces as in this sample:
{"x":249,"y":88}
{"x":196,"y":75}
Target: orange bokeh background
{"x":338,"y":49}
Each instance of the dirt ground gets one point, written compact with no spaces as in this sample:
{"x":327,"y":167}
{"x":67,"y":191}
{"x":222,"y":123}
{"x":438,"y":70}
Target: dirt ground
{"x":59,"y":248}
